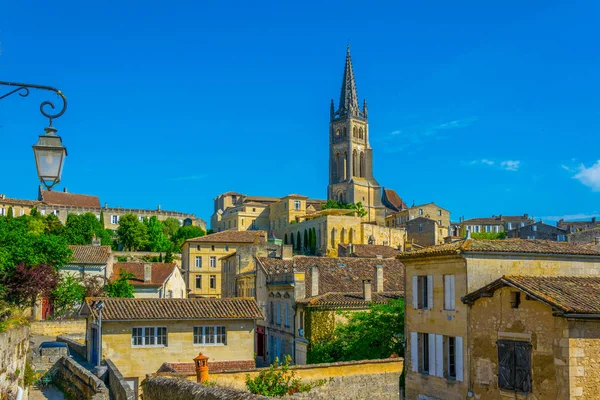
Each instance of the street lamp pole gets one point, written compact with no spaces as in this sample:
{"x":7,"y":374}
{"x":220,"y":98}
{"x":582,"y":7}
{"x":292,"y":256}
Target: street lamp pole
{"x":49,"y":152}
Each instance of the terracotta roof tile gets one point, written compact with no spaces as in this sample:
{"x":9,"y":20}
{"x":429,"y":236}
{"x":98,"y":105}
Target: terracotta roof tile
{"x":232,"y":237}
{"x":351,"y":299}
{"x":19,"y":202}
{"x":119,"y":309}
{"x":395,"y":201}
{"x":160,"y":273}
{"x":580,"y":295}
{"x":91,"y":254}
{"x":69,"y":199}
{"x":339,"y":274}
{"x":502,"y":246}
{"x":372,"y":250}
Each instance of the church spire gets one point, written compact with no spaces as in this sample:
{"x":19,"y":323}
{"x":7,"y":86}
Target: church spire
{"x":348,"y":106}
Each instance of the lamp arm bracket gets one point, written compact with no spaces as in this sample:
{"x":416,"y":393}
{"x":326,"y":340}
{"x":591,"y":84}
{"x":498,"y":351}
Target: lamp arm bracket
{"x":23,"y":90}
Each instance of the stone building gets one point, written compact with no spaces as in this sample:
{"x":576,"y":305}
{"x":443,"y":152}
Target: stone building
{"x":430,"y":210}
{"x":538,"y":230}
{"x":494,"y":224}
{"x":578,"y":226}
{"x":153,"y":280}
{"x":139,"y":335}
{"x":535,"y":337}
{"x":351,"y":180}
{"x":437,"y":323}
{"x":367,"y":251}
{"x":305,"y":290}
{"x":19,"y":207}
{"x":201,"y":259}
{"x":422,"y":232}
{"x":64,"y":203}
{"x":590,"y":236}
{"x":90,"y":260}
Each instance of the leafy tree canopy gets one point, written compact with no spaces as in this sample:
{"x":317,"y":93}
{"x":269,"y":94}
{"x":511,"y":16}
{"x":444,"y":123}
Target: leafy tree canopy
{"x":376,"y":333}
{"x":132,"y":233}
{"x":80,"y":229}
{"x":67,"y":295}
{"x":358,"y":208}
{"x":23,"y":287}
{"x":489,"y":235}
{"x":157,"y":240}
{"x":184,"y":233}
{"x":120,"y":287}
{"x":170,"y":226}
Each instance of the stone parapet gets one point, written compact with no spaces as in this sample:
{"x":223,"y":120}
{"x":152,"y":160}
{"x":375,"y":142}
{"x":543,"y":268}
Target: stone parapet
{"x":14,"y":346}
{"x":160,"y":388}
{"x":74,"y":346}
{"x":78,"y":382}
{"x":55,"y":328}
{"x":117,"y":386}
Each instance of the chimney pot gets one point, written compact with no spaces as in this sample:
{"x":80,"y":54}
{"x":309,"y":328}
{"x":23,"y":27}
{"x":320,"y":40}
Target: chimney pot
{"x":105,"y":205}
{"x":314,"y":280}
{"x":367,"y":290}
{"x":147,"y":273}
{"x":159,"y":207}
{"x":65,"y":190}
{"x":379,"y":278}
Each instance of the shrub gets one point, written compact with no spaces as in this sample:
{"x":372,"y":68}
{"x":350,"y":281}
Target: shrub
{"x":279,"y":381}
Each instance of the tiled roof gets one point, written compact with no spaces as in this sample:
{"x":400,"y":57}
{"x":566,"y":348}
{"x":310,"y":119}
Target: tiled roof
{"x":394,"y":200}
{"x":567,"y":294}
{"x":352,"y":299}
{"x":18,"y":202}
{"x":69,"y":199}
{"x":339,"y":274}
{"x":120,"y":309}
{"x":502,"y":246}
{"x":90,"y":254}
{"x":371,"y":250}
{"x":160,"y":272}
{"x":231,"y":237}
{"x":483,"y":221}
{"x":498,"y":219}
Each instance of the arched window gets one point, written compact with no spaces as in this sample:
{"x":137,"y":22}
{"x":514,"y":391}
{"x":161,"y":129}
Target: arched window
{"x":333,"y":233}
{"x":345,"y":166}
{"x":354,"y":131}
{"x":354,"y":163}
{"x":337,"y":133}
{"x":362,"y":165}
{"x":340,"y":197}
{"x":351,"y":236}
{"x":360,"y":133}
{"x":343,"y":236}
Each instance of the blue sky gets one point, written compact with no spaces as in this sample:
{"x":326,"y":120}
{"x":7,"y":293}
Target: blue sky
{"x":483,"y":107}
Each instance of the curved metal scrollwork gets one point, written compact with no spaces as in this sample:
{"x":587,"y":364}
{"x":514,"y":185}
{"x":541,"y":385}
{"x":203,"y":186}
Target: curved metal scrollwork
{"x":23,"y":90}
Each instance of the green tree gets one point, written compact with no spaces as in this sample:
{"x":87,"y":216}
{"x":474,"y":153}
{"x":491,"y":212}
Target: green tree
{"x":186,"y":232}
{"x":157,"y":240}
{"x":132,"y":233}
{"x":9,"y":213}
{"x":120,"y":287}
{"x":170,"y":226}
{"x":68,"y":295}
{"x":373,"y":334}
{"x":306,"y":241}
{"x":359,"y":209}
{"x":80,"y":230}
{"x":53,"y":225}
{"x":102,"y":218}
{"x":169,"y":255}
{"x":313,"y":241}
{"x":489,"y":235}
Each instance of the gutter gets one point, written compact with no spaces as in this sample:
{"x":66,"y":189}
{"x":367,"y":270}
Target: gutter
{"x":578,"y":316}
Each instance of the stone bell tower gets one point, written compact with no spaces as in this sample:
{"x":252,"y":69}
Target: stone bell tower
{"x":350,"y":155}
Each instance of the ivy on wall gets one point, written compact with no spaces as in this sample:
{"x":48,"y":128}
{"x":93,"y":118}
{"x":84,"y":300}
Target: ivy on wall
{"x":320,"y":325}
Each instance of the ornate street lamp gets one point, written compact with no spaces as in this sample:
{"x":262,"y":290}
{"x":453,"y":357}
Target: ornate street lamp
{"x":49,"y":151}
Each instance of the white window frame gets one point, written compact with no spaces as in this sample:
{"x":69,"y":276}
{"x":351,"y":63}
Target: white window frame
{"x":211,"y":279}
{"x":3,"y":211}
{"x":198,"y":280}
{"x":209,"y":335}
{"x":420,"y":285}
{"x":297,"y":205}
{"x":114,"y":219}
{"x":198,"y":262}
{"x":144,"y":336}
{"x":420,"y":211}
{"x":561,"y":238}
{"x":534,"y":228}
{"x":213,"y":262}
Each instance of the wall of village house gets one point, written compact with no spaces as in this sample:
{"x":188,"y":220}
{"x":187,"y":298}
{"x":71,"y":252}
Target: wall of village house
{"x":584,"y":358}
{"x":436,"y":321}
{"x":175,"y":286}
{"x":136,"y":362}
{"x":485,"y":268}
{"x":242,"y":218}
{"x":492,"y":319}
{"x":280,"y":332}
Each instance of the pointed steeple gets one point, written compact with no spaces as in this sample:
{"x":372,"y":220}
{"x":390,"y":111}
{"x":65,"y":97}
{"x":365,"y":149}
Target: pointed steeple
{"x":348,"y":106}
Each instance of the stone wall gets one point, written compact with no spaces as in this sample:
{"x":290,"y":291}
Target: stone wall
{"x":161,"y":388}
{"x":74,"y":346}
{"x":117,"y":386}
{"x":55,"y":328}
{"x":77,"y":382}
{"x":368,"y":379}
{"x":14,"y":345}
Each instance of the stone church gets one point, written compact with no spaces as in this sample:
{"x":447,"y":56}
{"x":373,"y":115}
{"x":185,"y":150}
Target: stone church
{"x":351,"y":177}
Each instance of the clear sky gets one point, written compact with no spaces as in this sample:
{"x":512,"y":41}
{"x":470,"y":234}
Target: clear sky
{"x":483,"y":107}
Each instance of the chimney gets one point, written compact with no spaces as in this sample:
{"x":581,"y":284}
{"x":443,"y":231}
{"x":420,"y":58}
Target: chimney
{"x":105,"y":205}
{"x":158,"y":209}
{"x":96,"y":241}
{"x":287,"y":252}
{"x":314,"y":280}
{"x":379,"y":278}
{"x":65,"y":190}
{"x":367,"y":290}
{"x":147,"y":273}
{"x":2,"y":196}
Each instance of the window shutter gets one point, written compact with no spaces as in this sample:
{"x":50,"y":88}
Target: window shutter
{"x":523,"y":366}
{"x":439,"y":355}
{"x":447,"y":289}
{"x":414,"y":351}
{"x":459,"y":358}
{"x":430,"y":292}
{"x":432,"y":370}
{"x":506,"y":361}
{"x":415,"y":291}
{"x":452,"y":293}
